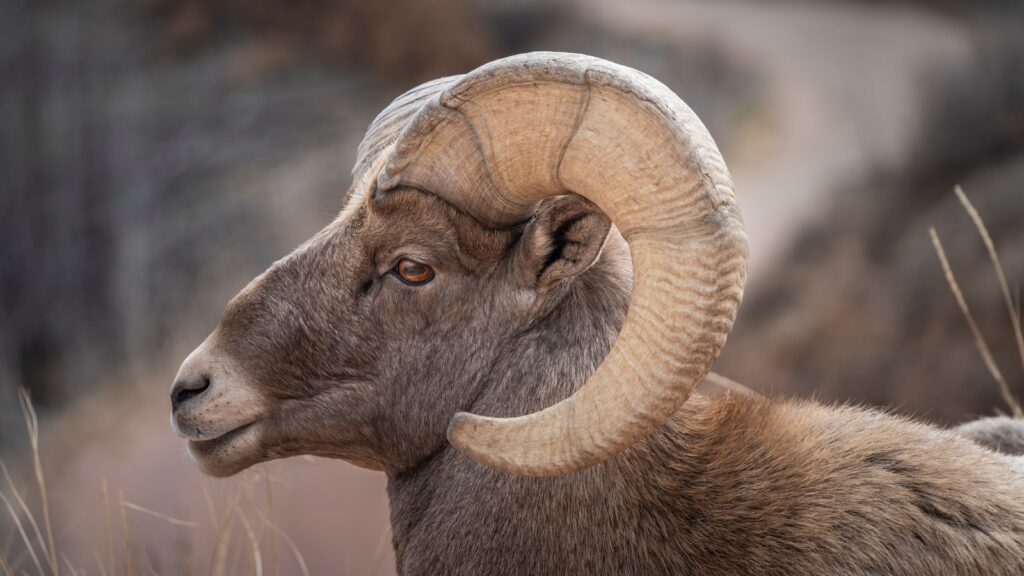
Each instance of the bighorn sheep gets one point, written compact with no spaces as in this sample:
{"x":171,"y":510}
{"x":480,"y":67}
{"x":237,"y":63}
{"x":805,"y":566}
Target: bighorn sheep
{"x":475,"y":268}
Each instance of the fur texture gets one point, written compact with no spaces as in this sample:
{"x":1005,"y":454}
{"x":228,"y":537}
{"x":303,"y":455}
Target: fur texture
{"x":351,"y":363}
{"x":999,"y":433}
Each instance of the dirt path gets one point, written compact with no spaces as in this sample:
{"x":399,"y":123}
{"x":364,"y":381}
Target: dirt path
{"x":843,"y":92}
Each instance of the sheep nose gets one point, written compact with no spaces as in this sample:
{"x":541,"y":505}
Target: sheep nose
{"x":187,"y":388}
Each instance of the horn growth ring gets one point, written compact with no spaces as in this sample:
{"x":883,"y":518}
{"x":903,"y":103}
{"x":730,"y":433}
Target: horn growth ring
{"x":503,"y":137}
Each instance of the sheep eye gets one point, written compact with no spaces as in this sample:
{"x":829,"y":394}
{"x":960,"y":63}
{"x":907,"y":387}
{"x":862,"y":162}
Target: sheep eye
{"x":413,"y":273}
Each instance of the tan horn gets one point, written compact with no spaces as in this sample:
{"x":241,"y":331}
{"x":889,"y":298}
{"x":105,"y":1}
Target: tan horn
{"x":501,"y":138}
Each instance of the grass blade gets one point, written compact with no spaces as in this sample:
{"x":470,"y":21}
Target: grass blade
{"x":979,"y":340}
{"x":210,"y":508}
{"x":257,"y":558}
{"x":21,"y":530}
{"x":24,"y":508}
{"x":5,"y":566}
{"x":128,"y":568}
{"x":71,"y":569}
{"x":32,"y":422}
{"x":8,"y":541}
{"x":106,"y":527}
{"x":287,"y":540}
{"x":275,"y":560}
{"x":1003,"y":286}
{"x":99,"y":564}
{"x":730,"y":385}
{"x":164,"y":517}
{"x":218,"y":563}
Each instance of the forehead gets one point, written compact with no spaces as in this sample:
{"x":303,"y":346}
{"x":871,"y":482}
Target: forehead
{"x":410,"y":216}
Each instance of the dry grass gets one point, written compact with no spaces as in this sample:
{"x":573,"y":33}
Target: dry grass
{"x":730,"y":385}
{"x":1013,"y":308}
{"x":32,"y":548}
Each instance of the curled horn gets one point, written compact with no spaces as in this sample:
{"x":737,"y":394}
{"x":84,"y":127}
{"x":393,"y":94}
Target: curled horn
{"x":503,"y":137}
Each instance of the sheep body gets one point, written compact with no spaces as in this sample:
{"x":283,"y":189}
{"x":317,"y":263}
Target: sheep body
{"x":522,"y":305}
{"x":733,"y":484}
{"x":999,"y":433}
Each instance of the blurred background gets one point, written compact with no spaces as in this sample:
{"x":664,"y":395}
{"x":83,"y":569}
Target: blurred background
{"x":156,"y":155}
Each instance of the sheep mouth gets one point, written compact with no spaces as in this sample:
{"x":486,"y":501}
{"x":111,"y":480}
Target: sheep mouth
{"x":228,"y":453}
{"x":223,"y":438}
{"x":200,"y":430}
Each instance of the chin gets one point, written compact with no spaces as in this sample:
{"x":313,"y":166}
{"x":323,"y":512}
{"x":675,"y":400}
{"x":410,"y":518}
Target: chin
{"x":228,"y":454}
{"x":220,"y":469}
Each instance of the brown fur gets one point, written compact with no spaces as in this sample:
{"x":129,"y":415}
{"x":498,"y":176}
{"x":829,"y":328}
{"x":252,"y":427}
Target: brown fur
{"x":353,"y":364}
{"x":999,"y":433}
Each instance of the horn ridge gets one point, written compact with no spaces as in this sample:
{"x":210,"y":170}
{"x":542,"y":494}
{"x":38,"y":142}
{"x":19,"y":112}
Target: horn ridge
{"x":501,"y":138}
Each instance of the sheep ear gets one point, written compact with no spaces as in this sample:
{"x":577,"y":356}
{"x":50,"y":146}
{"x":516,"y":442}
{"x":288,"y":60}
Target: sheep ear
{"x":563,"y":239}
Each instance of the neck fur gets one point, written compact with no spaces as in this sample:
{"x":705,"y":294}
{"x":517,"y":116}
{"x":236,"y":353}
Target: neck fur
{"x":449,"y":498}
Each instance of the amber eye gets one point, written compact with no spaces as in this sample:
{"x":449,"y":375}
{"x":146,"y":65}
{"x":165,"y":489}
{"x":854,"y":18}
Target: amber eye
{"x":413,"y":273}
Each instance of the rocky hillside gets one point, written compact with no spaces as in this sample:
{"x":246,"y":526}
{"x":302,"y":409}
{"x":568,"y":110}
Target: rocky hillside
{"x":859,"y":307}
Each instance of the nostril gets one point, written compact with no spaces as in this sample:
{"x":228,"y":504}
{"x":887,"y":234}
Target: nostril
{"x":185,"y":390}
